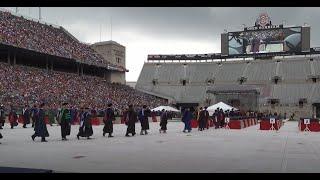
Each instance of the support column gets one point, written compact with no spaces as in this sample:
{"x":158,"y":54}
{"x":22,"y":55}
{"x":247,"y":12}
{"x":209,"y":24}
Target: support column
{"x":8,"y":57}
{"x":47,"y":63}
{"x":14,"y":58}
{"x":81,"y":70}
{"x":51,"y":65}
{"x":78,"y":70}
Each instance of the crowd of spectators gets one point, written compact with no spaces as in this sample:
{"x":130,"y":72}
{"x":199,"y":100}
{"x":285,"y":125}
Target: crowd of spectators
{"x":23,"y":33}
{"x":21,"y":85}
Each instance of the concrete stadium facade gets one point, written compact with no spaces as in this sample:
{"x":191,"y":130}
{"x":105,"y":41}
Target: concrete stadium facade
{"x":286,"y":85}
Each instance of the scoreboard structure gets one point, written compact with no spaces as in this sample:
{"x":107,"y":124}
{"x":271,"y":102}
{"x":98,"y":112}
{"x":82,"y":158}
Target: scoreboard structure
{"x":266,"y":38}
{"x":263,"y":40}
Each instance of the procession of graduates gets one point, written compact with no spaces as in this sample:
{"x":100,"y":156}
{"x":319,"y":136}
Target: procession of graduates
{"x":38,"y":115}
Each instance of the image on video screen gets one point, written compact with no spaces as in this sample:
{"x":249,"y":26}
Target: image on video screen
{"x":265,"y":41}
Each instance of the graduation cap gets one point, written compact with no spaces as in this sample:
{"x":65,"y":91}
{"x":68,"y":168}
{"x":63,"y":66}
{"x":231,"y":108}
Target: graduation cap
{"x":109,"y":104}
{"x":65,"y":103}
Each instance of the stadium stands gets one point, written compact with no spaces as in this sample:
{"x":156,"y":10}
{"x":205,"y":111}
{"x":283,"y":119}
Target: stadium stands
{"x":22,"y":84}
{"x":295,"y":70}
{"x":255,"y":74}
{"x":202,"y":72}
{"x":27,"y":34}
{"x":230,"y":72}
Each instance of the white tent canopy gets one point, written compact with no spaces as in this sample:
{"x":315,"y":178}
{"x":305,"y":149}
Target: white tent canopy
{"x":219,"y":105}
{"x":167,"y":108}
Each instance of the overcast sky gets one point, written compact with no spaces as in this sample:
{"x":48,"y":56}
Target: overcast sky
{"x":166,"y":30}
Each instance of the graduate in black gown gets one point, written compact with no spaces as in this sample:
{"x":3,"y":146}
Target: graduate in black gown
{"x":130,"y":120}
{"x":26,"y":116}
{"x":40,"y":127}
{"x":2,"y":116}
{"x":163,"y":121}
{"x":85,"y":129}
{"x":143,"y":117}
{"x":108,"y":120}
{"x":34,"y":111}
{"x":203,"y":119}
{"x":64,"y":119}
{"x":1,"y":137}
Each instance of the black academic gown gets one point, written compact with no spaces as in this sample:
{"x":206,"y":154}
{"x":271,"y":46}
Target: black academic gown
{"x":65,"y":123}
{"x":108,"y":121}
{"x":131,"y":120}
{"x":164,"y":121}
{"x":143,"y":117}
{"x":203,"y":119}
{"x":85,"y":129}
{"x":40,"y":127}
{"x":26,"y":116}
{"x":2,"y":118}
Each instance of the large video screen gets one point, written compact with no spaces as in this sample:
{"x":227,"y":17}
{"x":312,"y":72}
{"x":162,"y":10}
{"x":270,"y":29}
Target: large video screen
{"x":265,"y":41}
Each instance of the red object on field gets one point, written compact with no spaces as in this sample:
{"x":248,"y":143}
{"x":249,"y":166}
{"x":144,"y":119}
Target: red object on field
{"x":21,"y":119}
{"x":265,"y":124}
{"x":235,"y":124}
{"x":314,"y":126}
{"x":194,"y":123}
{"x":95,"y":121}
{"x":154,"y":119}
{"x":211,"y":123}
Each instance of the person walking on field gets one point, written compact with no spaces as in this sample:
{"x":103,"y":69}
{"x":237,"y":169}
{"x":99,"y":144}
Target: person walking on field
{"x":143,"y":117}
{"x":85,"y":129}
{"x":186,"y":119}
{"x":40,"y":127}
{"x":108,"y":121}
{"x":130,"y":121}
{"x":203,"y":119}
{"x":163,"y":121}
{"x":2,"y":116}
{"x":64,"y":120}
{"x":34,"y":111}
{"x":26,"y":116}
{"x":1,"y":137}
{"x":200,"y":123}
{"x":13,"y":118}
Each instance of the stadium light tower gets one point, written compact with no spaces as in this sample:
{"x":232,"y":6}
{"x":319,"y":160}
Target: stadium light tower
{"x":16,"y":10}
{"x":39,"y":13}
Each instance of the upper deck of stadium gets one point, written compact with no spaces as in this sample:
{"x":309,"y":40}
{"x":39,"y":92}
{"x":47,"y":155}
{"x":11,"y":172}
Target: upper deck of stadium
{"x":20,"y":32}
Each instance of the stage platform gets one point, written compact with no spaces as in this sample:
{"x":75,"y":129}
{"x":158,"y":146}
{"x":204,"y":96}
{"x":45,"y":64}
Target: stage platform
{"x":213,"y":150}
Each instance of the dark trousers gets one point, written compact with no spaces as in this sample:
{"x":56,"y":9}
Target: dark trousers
{"x":33,"y":121}
{"x":131,"y":129}
{"x":108,"y":127}
{"x":65,"y":129}
{"x":187,"y":125}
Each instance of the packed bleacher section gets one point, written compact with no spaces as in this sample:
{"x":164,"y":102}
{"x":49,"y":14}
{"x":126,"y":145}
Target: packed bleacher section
{"x":20,"y":85}
{"x":27,"y":34}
